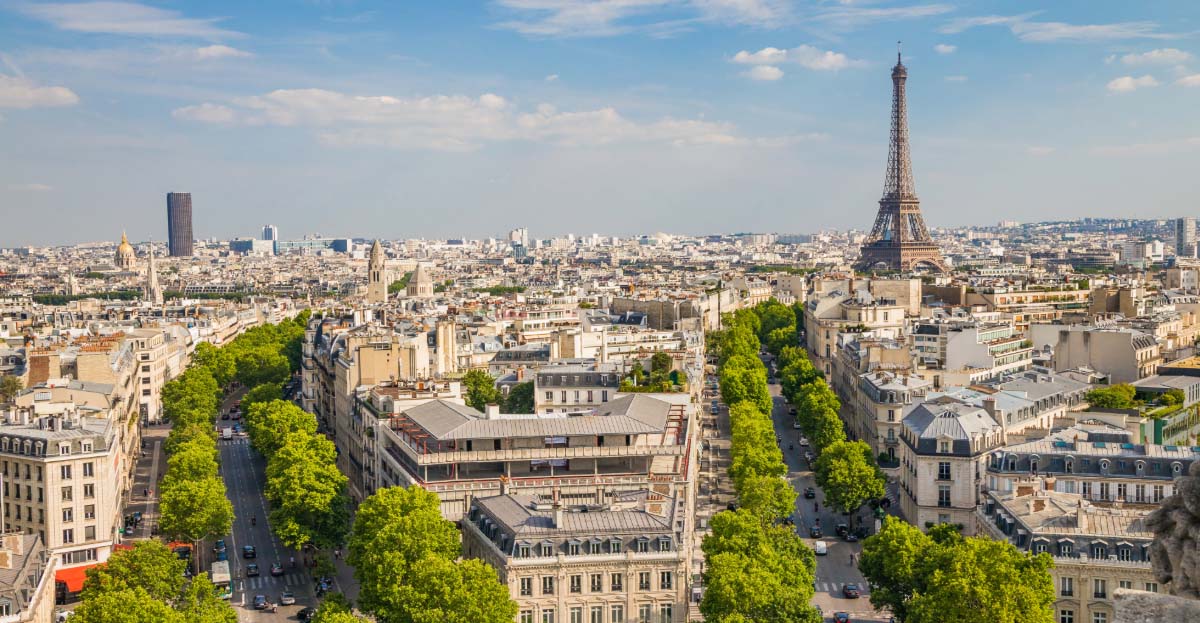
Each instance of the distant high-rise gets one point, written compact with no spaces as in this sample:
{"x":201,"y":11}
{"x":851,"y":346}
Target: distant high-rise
{"x":179,"y":224}
{"x":1185,"y":237}
{"x":899,"y":240}
{"x":270,"y":232}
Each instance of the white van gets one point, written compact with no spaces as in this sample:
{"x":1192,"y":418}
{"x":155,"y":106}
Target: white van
{"x":227,"y":433}
{"x":820,"y":548}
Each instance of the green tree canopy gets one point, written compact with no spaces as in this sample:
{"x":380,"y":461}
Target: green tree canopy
{"x":266,"y":392}
{"x":520,"y":398}
{"x":661,"y":362}
{"x":307,"y":491}
{"x":131,"y":605}
{"x":10,"y":386}
{"x":195,"y":509}
{"x":847,"y":473}
{"x":218,"y":361}
{"x":150,"y":566}
{"x":480,"y":389}
{"x":1113,"y":397}
{"x":269,"y":423}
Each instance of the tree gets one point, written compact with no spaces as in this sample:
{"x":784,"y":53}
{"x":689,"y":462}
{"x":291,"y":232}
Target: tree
{"x":825,"y":429}
{"x":776,"y":316}
{"x":436,"y":589}
{"x":481,"y":389}
{"x":265,"y":392}
{"x":131,"y":605}
{"x":846,"y":471}
{"x":780,"y":338}
{"x":218,"y":361}
{"x":393,"y":529}
{"x":10,"y":386}
{"x":199,"y":603}
{"x":150,"y":566}
{"x":745,"y":378}
{"x":263,"y":364}
{"x":662,"y":363}
{"x":307,"y":491}
{"x":944,"y":577}
{"x":769,"y":497}
{"x":186,"y":433}
{"x":520,"y":398}
{"x":194,"y":460}
{"x":1113,"y":397}
{"x":269,"y":423}
{"x":195,"y":510}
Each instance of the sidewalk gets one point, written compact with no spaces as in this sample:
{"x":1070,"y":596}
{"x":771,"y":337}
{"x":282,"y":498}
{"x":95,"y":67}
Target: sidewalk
{"x":143,"y":494}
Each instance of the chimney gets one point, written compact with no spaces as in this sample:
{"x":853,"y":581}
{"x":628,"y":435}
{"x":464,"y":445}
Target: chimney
{"x":491,"y":411}
{"x":1081,"y":518}
{"x":520,"y":374}
{"x":1048,"y":483}
{"x":558,"y":509}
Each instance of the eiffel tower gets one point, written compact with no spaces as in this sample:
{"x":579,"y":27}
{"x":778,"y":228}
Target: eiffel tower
{"x":899,"y":240}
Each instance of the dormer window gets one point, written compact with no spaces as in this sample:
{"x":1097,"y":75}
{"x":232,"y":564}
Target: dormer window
{"x":547,"y":549}
{"x":594,"y":546}
{"x":614,"y":546}
{"x":574,"y":547}
{"x":642,"y":544}
{"x":664,"y":543}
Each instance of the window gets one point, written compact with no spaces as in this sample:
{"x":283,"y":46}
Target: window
{"x":597,"y":582}
{"x":573,"y":548}
{"x":664,"y":614}
{"x":944,"y":496}
{"x":1152,"y":587}
{"x":526,"y":587}
{"x":89,"y":533}
{"x":664,"y":544}
{"x":1099,"y":589}
{"x":944,"y":470}
{"x":547,"y":549}
{"x":85,"y":446}
{"x":618,"y":614}
{"x":604,"y":396}
{"x":1067,"y":587}
{"x":1099,"y":617}
{"x":1124,"y":554}
{"x":88,"y":470}
{"x":548,"y":616}
{"x":644,"y":612}
{"x":617,"y":582}
{"x":547,"y":585}
{"x":145,"y":392}
{"x":943,"y":447}
{"x":576,"y":615}
{"x":1124,"y":584}
{"x":68,"y":515}
{"x":597,"y":614}
{"x":1099,"y":551}
{"x":526,"y":616}
{"x":66,"y":494}
{"x":576,"y":584}
{"x":68,"y":536}
{"x":65,"y":449}
{"x":665,"y":580}
{"x":644,"y":581}
{"x":594,"y":546}
{"x":1065,"y":549}
{"x":66,"y":472}
{"x":89,"y":491}
{"x":1066,"y":616}
{"x":549,"y":396}
{"x":641,"y":545}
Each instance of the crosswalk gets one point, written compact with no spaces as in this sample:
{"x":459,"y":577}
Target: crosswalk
{"x":236,"y":441}
{"x":836,"y":587}
{"x":266,"y":581}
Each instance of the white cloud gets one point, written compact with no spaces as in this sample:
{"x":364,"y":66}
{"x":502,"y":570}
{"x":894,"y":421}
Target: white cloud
{"x":1125,"y":84}
{"x":846,"y":18}
{"x":206,"y":112}
{"x":806,"y":56}
{"x":943,"y":48}
{"x":1153,"y":148}
{"x":956,"y":78}
{"x":1041,"y":32}
{"x":1189,"y":81}
{"x":33,"y":188}
{"x":124,"y":18}
{"x":1039,"y":150}
{"x":20,"y":92}
{"x":454,"y":122}
{"x":552,"y":78}
{"x":211,"y":52}
{"x":764,"y":73}
{"x":575,"y":18}
{"x":1161,"y":56}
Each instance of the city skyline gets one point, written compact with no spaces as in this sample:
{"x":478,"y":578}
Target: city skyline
{"x":681,"y":117}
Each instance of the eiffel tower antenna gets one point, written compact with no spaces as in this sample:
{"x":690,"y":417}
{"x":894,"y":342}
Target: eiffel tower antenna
{"x":899,"y":239}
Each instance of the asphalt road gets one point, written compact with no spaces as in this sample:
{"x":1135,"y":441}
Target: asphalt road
{"x":243,"y":470}
{"x":834,"y":570}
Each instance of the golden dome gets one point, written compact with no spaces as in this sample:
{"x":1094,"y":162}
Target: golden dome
{"x":124,"y":247}
{"x":125,"y":253}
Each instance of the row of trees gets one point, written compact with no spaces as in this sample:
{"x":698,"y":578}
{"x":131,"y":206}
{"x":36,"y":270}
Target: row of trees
{"x":942,"y":576}
{"x":147,"y":583}
{"x":758,"y":568}
{"x":405,"y":558}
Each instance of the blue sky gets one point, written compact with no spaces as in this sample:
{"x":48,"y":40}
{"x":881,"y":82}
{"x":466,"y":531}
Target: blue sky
{"x":436,"y":119}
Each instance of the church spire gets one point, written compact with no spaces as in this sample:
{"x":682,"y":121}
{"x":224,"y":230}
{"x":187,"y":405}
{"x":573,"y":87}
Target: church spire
{"x":153,"y":292}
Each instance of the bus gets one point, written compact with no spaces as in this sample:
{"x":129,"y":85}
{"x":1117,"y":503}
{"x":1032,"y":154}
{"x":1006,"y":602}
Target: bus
{"x":221,"y":579}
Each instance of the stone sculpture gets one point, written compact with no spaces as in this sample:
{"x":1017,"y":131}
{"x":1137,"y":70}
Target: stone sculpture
{"x":1175,"y":552}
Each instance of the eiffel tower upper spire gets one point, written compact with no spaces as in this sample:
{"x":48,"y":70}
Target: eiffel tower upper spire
{"x":898,"y":183}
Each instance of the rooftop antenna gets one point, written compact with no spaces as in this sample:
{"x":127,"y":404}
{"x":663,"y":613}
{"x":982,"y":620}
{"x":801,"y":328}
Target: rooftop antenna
{"x":898,"y":45}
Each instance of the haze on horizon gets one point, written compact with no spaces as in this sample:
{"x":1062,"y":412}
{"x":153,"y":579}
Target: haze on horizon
{"x":409,"y":120}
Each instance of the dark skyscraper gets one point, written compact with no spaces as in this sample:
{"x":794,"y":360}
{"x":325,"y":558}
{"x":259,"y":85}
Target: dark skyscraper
{"x":179,"y":224}
{"x":899,"y":240}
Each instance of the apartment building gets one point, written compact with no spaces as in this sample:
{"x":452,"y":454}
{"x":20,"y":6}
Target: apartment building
{"x":944,"y":446}
{"x":829,"y":314}
{"x":617,"y":558}
{"x":575,"y":388}
{"x":1125,"y":355}
{"x":64,"y":474}
{"x":633,"y":442}
{"x":1030,"y":401}
{"x":878,"y":406}
{"x":1031,"y":304}
{"x":1096,"y":549}
{"x":27,"y":586}
{"x":978,"y":350}
{"x":1099,"y":462}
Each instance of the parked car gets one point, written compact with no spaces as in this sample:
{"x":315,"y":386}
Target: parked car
{"x":820,"y":548}
{"x":841,"y":617}
{"x":842,"y":529}
{"x":306,"y":613}
{"x":792,"y":411}
{"x":252,"y":570}
{"x":260,"y":602}
{"x":815,"y":532}
{"x":804,"y":442}
{"x":219,"y":546}
{"x":810,"y":493}
{"x":287,"y":598}
{"x":249,"y":552}
{"x":850,"y":537}
{"x":276,"y":569}
{"x":850,"y":591}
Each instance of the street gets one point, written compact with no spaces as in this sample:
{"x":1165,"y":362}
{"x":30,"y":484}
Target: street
{"x":243,"y":471}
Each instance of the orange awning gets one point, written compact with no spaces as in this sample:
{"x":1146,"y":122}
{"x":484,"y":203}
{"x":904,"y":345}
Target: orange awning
{"x":73,"y":577}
